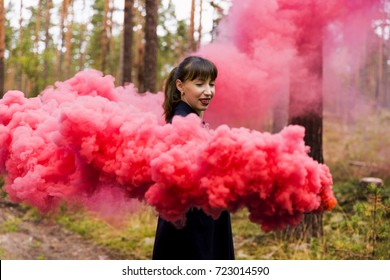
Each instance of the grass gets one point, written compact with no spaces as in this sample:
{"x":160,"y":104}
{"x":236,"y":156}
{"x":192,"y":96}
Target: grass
{"x":132,"y":239}
{"x":358,"y":148}
{"x":11,"y":225}
{"x":3,"y":254}
{"x":347,"y":234}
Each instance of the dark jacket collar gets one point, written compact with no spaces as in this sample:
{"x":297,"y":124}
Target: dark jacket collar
{"x":183,"y":109}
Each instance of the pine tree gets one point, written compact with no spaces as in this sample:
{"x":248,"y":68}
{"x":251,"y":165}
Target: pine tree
{"x":127,"y":42}
{"x":151,"y":46}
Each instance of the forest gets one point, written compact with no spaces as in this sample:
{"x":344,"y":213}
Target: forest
{"x":56,"y":39}
{"x":322,"y":65}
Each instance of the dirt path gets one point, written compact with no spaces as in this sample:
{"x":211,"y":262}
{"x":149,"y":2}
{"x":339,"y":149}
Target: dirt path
{"x":27,"y":238}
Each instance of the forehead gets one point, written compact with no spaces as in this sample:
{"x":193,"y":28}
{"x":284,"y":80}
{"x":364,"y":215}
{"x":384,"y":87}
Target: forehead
{"x":197,"y":80}
{"x":202,"y":79}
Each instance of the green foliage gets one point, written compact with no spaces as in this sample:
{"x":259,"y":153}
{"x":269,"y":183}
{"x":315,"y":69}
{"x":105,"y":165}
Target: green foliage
{"x":11,"y":225}
{"x":25,"y":65}
{"x":94,"y":47}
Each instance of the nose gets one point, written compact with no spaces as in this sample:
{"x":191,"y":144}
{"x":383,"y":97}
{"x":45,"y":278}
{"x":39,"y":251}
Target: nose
{"x":207,"y":91}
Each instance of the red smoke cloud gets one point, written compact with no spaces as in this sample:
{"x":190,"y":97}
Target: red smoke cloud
{"x":85,"y":137}
{"x":266,"y":47}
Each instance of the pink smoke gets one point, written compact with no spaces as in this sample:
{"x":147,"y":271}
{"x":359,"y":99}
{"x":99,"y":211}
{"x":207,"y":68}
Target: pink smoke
{"x":267,"y":46}
{"x":86,"y":141}
{"x":42,"y":168}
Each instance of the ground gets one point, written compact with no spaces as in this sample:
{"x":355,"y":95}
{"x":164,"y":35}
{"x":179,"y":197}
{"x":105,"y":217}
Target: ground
{"x":29,"y":238}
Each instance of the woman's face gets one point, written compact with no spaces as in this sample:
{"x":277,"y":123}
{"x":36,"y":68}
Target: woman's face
{"x":197,"y":93}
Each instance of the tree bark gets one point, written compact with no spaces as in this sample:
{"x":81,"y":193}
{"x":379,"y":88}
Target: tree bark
{"x":151,"y":47}
{"x":81,"y":41}
{"x":111,"y":45}
{"x":311,"y":117}
{"x":37,"y":26}
{"x":127,"y":42}
{"x":104,"y":35}
{"x":218,"y":14}
{"x":36,"y":76}
{"x":68,"y":41}
{"x":200,"y":23}
{"x":63,"y":19}
{"x":47,"y":41}
{"x":19,"y":75}
{"x":191,"y":30}
{"x":139,"y":46}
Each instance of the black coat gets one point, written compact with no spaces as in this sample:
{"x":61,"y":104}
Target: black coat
{"x":202,"y":238}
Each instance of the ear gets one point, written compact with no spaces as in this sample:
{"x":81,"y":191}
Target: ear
{"x":179,"y":85}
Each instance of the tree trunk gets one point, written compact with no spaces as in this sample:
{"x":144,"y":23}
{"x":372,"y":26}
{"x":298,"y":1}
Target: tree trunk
{"x":379,"y":78}
{"x":150,"y":57}
{"x":310,"y":51}
{"x":191,"y":30}
{"x":217,"y":16}
{"x":63,"y":19}
{"x":19,"y":75}
{"x":127,"y":42}
{"x":140,"y":48}
{"x":200,"y":23}
{"x":36,"y":76}
{"x":111,"y":45}
{"x":312,"y":121}
{"x":68,"y":41}
{"x":81,"y":41}
{"x":2,"y":47}
{"x":47,"y":41}
{"x":104,"y":35}
{"x":37,"y":26}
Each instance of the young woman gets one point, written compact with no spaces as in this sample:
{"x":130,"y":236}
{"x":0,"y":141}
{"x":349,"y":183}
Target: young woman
{"x":189,"y":89}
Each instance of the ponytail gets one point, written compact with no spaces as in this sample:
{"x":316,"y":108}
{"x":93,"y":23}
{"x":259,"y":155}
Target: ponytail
{"x":172,"y":96}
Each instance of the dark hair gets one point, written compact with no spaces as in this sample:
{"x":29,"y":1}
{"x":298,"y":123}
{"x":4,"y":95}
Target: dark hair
{"x":191,"y":68}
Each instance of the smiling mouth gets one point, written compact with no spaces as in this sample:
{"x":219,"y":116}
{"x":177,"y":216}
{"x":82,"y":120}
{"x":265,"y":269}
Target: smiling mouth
{"x":205,"y":102}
